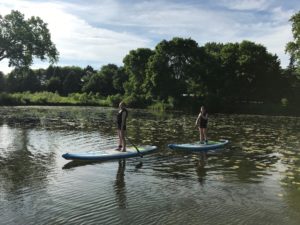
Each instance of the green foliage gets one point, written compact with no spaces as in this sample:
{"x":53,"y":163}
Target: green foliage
{"x":22,"y":79}
{"x":162,"y":105}
{"x":7,"y":99}
{"x":108,"y":73}
{"x":54,"y":85}
{"x":21,"y":40}
{"x":72,"y":83}
{"x":108,"y":81}
{"x":49,"y":98}
{"x":137,"y":101}
{"x":174,"y":65}
{"x":2,"y":82}
{"x":114,"y":100}
{"x":87,"y":99}
{"x":177,"y":74}
{"x":242,"y":72}
{"x":135,"y":65}
{"x":93,"y":84}
{"x":293,"y":47}
{"x":293,"y":71}
{"x":119,"y":80}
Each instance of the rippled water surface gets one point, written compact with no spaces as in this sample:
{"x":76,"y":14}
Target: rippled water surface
{"x":254,"y":180}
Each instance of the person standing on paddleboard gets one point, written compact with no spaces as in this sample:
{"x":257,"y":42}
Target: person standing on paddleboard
{"x":201,"y":123}
{"x":121,"y":123}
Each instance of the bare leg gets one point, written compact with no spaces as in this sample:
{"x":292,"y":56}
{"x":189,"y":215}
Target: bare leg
{"x":205,"y":133}
{"x":123,"y":140}
{"x":201,"y":134}
{"x":120,"y":140}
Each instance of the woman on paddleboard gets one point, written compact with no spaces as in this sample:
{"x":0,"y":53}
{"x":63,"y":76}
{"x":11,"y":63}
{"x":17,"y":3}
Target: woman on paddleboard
{"x":201,"y":123}
{"x":121,"y":123}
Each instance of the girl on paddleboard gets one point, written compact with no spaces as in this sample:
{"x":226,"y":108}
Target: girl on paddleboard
{"x":121,"y":123}
{"x":201,"y":123}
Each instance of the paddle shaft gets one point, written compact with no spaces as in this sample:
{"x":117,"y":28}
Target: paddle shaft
{"x":135,"y":147}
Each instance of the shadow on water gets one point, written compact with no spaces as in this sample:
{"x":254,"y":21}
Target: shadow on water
{"x":79,"y":163}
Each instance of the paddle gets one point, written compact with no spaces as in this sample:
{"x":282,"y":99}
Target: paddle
{"x":140,"y":154}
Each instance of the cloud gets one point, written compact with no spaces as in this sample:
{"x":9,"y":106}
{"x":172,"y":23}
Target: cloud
{"x":275,"y":41}
{"x":102,"y":32}
{"x":246,"y":4}
{"x":75,"y":38}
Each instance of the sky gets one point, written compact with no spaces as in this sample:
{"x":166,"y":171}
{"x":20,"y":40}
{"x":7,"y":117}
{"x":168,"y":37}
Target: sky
{"x":98,"y":32}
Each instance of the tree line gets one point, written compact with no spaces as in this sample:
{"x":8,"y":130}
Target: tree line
{"x":174,"y":72}
{"x":177,"y":73}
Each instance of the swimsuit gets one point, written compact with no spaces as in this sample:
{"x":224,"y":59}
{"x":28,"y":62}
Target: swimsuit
{"x":203,"y":122}
{"x":119,"y":119}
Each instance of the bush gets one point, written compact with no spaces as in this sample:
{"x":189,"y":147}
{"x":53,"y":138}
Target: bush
{"x":162,"y":105}
{"x":7,"y":99}
{"x":114,"y":100}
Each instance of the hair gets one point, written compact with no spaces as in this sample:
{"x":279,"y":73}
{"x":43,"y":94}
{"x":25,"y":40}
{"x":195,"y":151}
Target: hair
{"x":122,"y":104}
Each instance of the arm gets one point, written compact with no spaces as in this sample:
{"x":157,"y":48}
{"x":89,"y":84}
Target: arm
{"x":198,"y":120}
{"x":205,"y":117}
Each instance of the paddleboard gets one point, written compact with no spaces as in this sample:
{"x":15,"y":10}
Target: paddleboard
{"x":110,"y":154}
{"x":197,"y":146}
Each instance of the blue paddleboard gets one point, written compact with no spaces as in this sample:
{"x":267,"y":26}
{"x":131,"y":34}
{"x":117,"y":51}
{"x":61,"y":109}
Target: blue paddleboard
{"x":110,"y":154}
{"x":197,"y":146}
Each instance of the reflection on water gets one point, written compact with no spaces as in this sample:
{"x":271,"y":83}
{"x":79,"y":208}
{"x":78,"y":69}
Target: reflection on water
{"x":120,"y":184}
{"x":254,"y":180}
{"x":22,"y":166}
{"x":200,"y":167}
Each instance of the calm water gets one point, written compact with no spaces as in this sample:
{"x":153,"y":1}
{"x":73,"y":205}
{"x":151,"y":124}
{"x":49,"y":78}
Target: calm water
{"x":254,"y":180}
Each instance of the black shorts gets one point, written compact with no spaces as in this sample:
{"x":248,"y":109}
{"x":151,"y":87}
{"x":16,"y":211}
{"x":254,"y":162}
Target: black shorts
{"x":203,"y":124}
{"x":119,"y":127}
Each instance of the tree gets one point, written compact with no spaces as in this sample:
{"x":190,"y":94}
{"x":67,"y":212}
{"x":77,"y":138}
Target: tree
{"x":242,"y":72}
{"x":119,"y":79}
{"x":293,"y":47}
{"x":89,"y":69}
{"x":72,"y":83}
{"x":2,"y":82}
{"x":259,"y":72}
{"x":108,"y":74}
{"x":23,"y":79}
{"x":30,"y":81}
{"x":21,"y":40}
{"x":108,"y":81}
{"x":42,"y":77}
{"x":135,"y":64}
{"x":54,"y":85}
{"x":71,"y":77}
{"x":174,"y":68}
{"x":92,"y":84}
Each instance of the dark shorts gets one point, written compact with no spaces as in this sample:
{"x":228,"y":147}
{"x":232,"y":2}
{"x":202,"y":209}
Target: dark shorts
{"x":119,"y":127}
{"x":203,"y":125}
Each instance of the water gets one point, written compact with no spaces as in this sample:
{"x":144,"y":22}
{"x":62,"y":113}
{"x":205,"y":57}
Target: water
{"x":254,"y":180}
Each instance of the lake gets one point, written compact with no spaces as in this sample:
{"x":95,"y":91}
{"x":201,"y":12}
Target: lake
{"x":255,"y":179}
